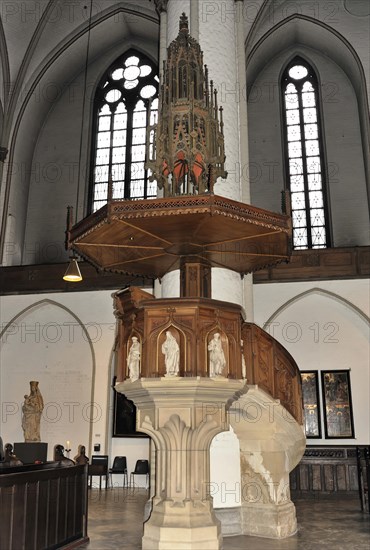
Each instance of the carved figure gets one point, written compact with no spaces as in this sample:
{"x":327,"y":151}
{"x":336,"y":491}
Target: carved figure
{"x":133,"y":359}
{"x":217,"y":361}
{"x":10,"y":458}
{"x":59,"y":456}
{"x":32,"y":409}
{"x":81,"y":457}
{"x":171,"y":351}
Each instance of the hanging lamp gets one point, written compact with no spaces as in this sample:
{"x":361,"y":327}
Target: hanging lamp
{"x":73,"y":273}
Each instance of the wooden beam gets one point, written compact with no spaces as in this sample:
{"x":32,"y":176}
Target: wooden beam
{"x":305,"y":265}
{"x":41,"y":278}
{"x":319,"y":264}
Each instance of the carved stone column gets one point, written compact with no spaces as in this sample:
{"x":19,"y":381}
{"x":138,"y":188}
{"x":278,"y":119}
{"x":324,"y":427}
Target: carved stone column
{"x":182,"y":415}
{"x":271,"y":445}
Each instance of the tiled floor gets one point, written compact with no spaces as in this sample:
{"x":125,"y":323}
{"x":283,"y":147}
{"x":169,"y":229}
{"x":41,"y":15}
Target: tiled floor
{"x":115,"y":522}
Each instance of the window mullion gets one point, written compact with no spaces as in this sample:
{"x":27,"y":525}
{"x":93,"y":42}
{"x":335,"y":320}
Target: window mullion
{"x":305,"y":171}
{"x":147,"y":121}
{"x":130,"y":114}
{"x":110,"y":165}
{"x":324,"y":181}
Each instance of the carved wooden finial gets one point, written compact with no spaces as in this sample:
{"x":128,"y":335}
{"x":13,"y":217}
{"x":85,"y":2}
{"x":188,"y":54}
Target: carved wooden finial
{"x":184,"y":23}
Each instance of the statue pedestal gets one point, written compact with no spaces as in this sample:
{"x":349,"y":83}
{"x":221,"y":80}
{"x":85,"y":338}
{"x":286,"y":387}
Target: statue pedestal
{"x":28,"y":453}
{"x":182,"y":415}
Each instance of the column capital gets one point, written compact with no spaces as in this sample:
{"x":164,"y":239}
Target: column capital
{"x":3,"y":153}
{"x":161,"y":5}
{"x":182,"y":416}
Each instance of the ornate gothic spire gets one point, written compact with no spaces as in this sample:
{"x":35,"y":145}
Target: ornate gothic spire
{"x":186,"y":148}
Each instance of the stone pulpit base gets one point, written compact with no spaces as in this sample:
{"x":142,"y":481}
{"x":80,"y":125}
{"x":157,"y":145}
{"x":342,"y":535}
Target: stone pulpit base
{"x":271,"y":445}
{"x":182,"y":415}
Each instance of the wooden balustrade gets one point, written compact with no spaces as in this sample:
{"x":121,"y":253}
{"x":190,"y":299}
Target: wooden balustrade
{"x":332,"y":472}
{"x":43,"y":507}
{"x":193,"y":322}
{"x":272,"y":368}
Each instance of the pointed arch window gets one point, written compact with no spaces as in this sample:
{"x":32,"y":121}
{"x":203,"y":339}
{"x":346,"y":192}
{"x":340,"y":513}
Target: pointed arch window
{"x":305,"y":157}
{"x":126,"y":102}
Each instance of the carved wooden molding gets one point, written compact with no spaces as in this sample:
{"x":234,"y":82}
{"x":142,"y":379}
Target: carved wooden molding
{"x":194,"y":322}
{"x":323,"y":264}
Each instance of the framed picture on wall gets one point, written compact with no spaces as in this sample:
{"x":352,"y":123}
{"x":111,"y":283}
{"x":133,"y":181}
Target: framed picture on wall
{"x":124,"y":416}
{"x":338,"y":415}
{"x":311,"y":403}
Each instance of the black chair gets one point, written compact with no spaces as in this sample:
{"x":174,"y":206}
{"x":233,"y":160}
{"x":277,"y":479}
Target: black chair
{"x":119,"y":467}
{"x":141,"y":469}
{"x":99,"y":467}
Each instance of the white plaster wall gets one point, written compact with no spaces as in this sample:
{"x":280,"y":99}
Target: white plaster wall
{"x":54,"y":177}
{"x":66,"y":343}
{"x":225,"y":470}
{"x":326,"y":328}
{"x":46,"y":343}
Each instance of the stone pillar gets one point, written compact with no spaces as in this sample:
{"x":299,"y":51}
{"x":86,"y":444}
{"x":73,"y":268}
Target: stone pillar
{"x":244,"y":149}
{"x":194,"y":19}
{"x":182,"y":415}
{"x":169,"y":287}
{"x":161,"y":6}
{"x":271,"y":445}
{"x":3,"y":217}
{"x":243,"y":117}
{"x":174,"y":11}
{"x":217,"y":37}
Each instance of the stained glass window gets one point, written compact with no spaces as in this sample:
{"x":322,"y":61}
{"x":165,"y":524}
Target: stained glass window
{"x":125,"y":99}
{"x":305,"y":158}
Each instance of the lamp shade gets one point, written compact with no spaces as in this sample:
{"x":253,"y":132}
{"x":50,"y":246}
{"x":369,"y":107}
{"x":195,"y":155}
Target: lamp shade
{"x":73,"y":273}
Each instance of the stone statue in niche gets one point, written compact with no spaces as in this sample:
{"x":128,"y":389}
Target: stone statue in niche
{"x":31,"y":413}
{"x":133,"y":359}
{"x":59,"y":456}
{"x":171,"y":352}
{"x":81,"y":457}
{"x":217,"y":361}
